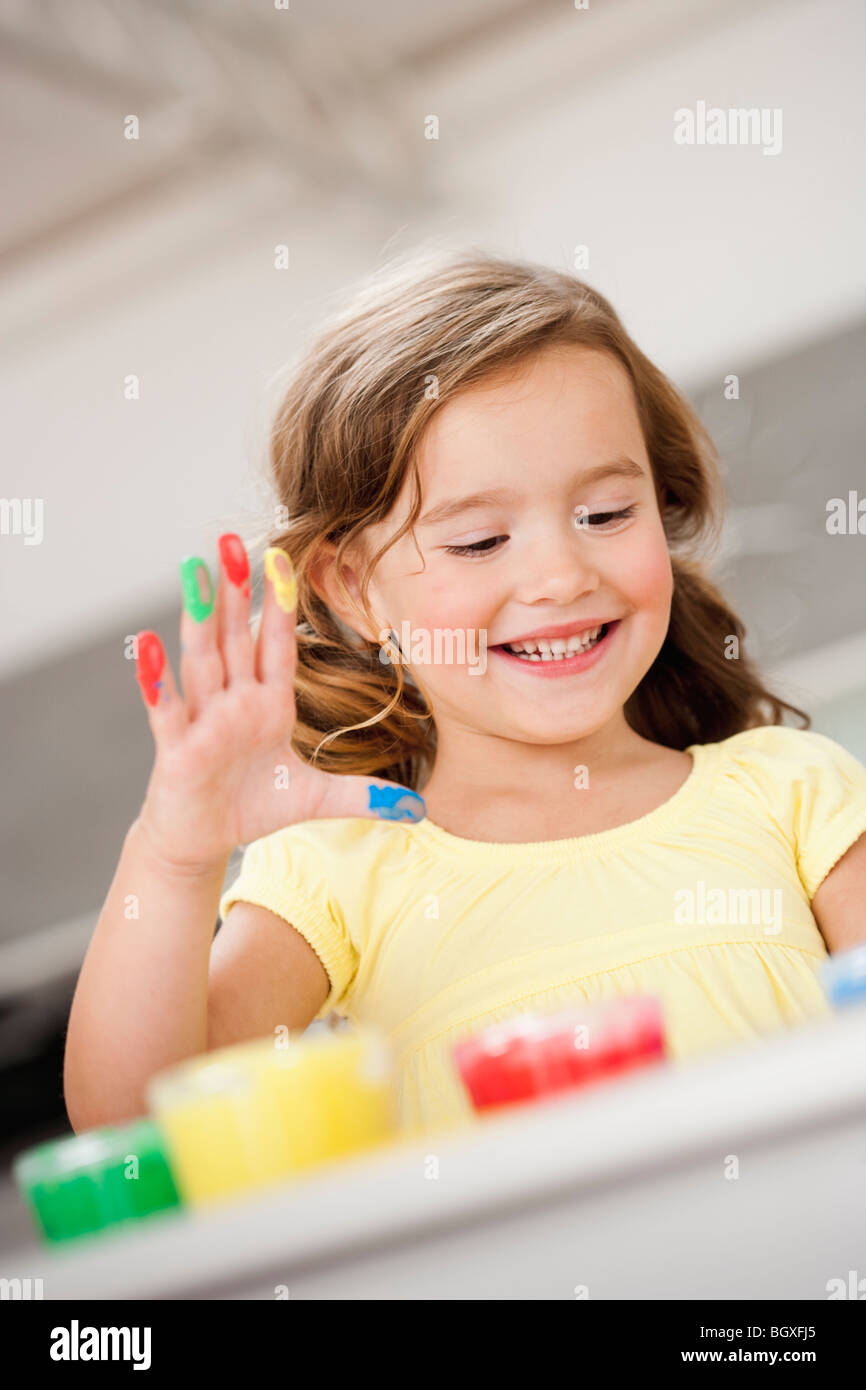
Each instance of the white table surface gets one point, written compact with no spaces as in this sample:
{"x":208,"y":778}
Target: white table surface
{"x":622,"y":1190}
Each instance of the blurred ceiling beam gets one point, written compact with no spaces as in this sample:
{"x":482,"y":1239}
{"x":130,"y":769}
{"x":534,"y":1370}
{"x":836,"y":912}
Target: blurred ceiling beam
{"x":308,"y":106}
{"x":238,"y":127}
{"x":330,"y":102}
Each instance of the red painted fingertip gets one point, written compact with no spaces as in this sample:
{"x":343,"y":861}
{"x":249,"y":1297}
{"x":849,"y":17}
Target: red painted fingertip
{"x":150,"y":665}
{"x":235,"y":562}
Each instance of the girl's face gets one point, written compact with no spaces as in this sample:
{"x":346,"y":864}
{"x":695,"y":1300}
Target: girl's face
{"x":559,"y":544}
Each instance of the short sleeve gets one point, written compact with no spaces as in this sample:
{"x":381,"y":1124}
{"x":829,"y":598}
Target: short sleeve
{"x":828,"y":787}
{"x":286,"y":873}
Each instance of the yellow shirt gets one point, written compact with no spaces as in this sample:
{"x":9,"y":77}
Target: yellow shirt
{"x":703,"y":902}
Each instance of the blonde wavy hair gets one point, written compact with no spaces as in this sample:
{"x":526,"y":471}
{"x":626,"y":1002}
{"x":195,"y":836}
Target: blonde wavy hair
{"x":344,"y":438}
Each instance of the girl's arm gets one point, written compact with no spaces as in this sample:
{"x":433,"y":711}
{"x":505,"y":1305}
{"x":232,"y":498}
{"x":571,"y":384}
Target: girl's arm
{"x":151,"y":992}
{"x":263,"y":975}
{"x":259,"y":973}
{"x":141,"y":1000}
{"x":839,"y":904}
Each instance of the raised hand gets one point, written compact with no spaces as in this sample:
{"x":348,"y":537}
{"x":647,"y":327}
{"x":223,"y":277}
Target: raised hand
{"x":225,"y":772}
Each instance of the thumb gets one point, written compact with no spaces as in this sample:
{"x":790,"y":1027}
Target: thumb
{"x":368,"y":796}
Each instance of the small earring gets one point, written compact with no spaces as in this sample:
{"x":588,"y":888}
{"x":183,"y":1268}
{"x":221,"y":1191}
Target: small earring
{"x":387,"y":649}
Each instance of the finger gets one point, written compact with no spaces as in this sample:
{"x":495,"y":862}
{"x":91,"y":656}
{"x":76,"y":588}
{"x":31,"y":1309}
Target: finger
{"x":233,"y":611}
{"x":277,"y":649}
{"x":367,"y":796}
{"x":166,"y":711}
{"x":201,"y":665}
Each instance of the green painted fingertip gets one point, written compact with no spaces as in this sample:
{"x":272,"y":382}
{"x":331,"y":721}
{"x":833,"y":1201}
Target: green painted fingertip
{"x":196,"y":581}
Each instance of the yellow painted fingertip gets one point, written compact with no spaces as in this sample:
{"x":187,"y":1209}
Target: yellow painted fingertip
{"x":281,"y":572}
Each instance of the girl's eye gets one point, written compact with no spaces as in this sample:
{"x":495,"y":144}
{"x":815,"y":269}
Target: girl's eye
{"x":598,"y":520}
{"x":476,"y":548}
{"x":604,"y":518}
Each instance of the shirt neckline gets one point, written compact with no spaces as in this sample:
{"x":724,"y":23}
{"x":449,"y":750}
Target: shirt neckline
{"x":582,"y":846}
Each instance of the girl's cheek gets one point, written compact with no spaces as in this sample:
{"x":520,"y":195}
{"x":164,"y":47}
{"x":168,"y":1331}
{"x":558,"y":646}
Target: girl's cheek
{"x":452,"y":601}
{"x":645,"y":574}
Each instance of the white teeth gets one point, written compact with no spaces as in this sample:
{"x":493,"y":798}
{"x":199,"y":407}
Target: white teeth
{"x":540,"y":649}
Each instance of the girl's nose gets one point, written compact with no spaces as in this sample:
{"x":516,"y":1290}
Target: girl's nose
{"x":557,"y":567}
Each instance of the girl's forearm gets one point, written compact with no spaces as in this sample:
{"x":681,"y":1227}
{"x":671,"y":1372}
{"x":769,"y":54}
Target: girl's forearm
{"x":141,"y":999}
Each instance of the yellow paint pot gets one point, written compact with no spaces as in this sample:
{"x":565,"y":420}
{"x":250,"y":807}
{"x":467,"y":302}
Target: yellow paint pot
{"x":251,"y":1114}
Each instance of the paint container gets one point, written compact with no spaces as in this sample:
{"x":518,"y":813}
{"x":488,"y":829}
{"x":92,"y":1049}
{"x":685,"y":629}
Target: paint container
{"x":535,"y":1055}
{"x":843,"y":976}
{"x":102,"y":1177}
{"x":255,"y":1113}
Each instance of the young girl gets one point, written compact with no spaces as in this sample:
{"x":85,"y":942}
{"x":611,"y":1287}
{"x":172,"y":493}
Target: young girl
{"x":487,"y":591}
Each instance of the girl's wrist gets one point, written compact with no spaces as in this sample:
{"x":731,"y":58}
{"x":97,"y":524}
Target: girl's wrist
{"x":167,"y":862}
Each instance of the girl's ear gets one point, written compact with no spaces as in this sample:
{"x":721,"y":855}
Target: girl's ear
{"x":322,"y":572}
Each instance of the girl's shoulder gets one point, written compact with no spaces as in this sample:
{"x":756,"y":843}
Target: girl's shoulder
{"x":323,"y":855}
{"x":785,"y":751}
{"x":812,"y":788}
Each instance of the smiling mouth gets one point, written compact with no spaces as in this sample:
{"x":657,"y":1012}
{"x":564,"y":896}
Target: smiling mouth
{"x":557,"y":648}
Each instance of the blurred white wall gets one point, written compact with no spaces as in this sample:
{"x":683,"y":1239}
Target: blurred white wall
{"x":716,"y":257}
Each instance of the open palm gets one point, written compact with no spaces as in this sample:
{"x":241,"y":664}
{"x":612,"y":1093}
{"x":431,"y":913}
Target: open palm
{"x":225,"y":772}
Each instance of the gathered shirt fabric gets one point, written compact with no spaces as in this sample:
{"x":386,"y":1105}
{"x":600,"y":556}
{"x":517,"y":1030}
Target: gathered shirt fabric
{"x":703,"y":903}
